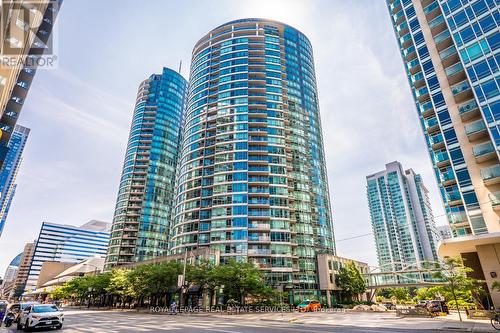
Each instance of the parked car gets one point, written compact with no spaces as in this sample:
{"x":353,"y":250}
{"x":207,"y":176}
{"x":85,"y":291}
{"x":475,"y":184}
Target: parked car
{"x":389,"y":306}
{"x":309,"y":306}
{"x":41,"y":316}
{"x":421,"y":304}
{"x":435,"y":306}
{"x":17,"y":308}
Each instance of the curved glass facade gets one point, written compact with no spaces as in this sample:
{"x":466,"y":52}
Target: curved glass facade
{"x":252,"y":180}
{"x":144,"y":204}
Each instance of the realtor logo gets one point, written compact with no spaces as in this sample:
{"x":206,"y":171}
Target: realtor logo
{"x":26,"y":33}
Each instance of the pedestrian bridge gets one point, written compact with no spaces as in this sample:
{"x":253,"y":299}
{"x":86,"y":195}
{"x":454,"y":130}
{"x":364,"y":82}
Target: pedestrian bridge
{"x":408,"y":276}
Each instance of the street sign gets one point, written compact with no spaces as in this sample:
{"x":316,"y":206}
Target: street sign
{"x":180,"y":280}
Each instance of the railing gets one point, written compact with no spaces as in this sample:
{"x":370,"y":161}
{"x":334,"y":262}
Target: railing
{"x":426,"y":107}
{"x":495,"y":198}
{"x":491,"y":172}
{"x":442,"y":37}
{"x":431,"y":122}
{"x":453,"y":196}
{"x":437,"y":21}
{"x":456,"y":218}
{"x":431,"y":7}
{"x":452,"y":70}
{"x":436,"y":139}
{"x":469,"y":106}
{"x":483,"y":149}
{"x":475,"y":127}
{"x":447,"y":176}
{"x":458,"y":88}
{"x":441,"y":157}
{"x":448,"y":52}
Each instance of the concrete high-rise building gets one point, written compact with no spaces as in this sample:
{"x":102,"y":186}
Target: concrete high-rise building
{"x":252,"y":178}
{"x":10,"y":277}
{"x":145,"y":198}
{"x":67,"y":244}
{"x":23,"y":271}
{"x":402,"y":220}
{"x":25,"y":29}
{"x":450,"y":50}
{"x":444,"y":231}
{"x":9,"y":170}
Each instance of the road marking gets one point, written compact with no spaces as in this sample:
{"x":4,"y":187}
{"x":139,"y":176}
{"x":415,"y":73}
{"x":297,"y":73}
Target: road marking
{"x":217,"y":330}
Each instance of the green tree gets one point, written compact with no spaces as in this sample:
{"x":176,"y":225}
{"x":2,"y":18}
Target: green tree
{"x":240,"y":280}
{"x":401,"y":295}
{"x":351,"y":281}
{"x":459,"y":286}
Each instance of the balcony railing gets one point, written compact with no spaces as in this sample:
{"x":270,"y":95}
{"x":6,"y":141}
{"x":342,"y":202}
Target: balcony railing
{"x":491,"y":175}
{"x":447,"y":176}
{"x":475,"y":129}
{"x":453,"y":196}
{"x":468,"y":110}
{"x":452,"y":70}
{"x":442,"y":37}
{"x":495,"y":200}
{"x":458,"y":88}
{"x":483,"y":150}
{"x":448,"y":52}
{"x":455,"y":218}
{"x":441,"y":157}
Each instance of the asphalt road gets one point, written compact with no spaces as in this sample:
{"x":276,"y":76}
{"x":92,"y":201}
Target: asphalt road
{"x":111,"y":322}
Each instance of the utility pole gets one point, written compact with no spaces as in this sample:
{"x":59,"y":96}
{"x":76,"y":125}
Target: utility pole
{"x":183,"y":279}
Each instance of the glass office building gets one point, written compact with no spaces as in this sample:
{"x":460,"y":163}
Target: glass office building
{"x":451,"y":53}
{"x":144,"y":205}
{"x":252,"y":179}
{"x":402,"y":220}
{"x":67,"y":244}
{"x":9,"y":170}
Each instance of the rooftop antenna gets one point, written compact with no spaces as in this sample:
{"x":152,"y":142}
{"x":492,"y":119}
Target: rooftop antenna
{"x":180,"y":66}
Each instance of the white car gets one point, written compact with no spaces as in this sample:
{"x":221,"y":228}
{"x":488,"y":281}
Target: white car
{"x":40,"y":316}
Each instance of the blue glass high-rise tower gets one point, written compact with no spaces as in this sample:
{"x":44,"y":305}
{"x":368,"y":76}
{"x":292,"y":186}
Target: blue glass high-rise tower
{"x":451,"y":53}
{"x":9,"y":170}
{"x":144,"y":204}
{"x":252,"y":178}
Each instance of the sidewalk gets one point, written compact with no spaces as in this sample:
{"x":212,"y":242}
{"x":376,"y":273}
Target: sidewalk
{"x":383,"y":320}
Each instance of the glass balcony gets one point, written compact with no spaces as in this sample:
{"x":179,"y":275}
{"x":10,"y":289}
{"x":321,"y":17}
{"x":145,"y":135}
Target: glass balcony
{"x":443,"y":40}
{"x":441,"y":158}
{"x":495,"y":200}
{"x":461,"y":91}
{"x":468,"y":110}
{"x":475,"y":130}
{"x":426,"y":109}
{"x":413,"y":66}
{"x":447,"y":177}
{"x":453,"y":196}
{"x":437,"y":141}
{"x":457,"y":218}
{"x":455,"y":73}
{"x":484,"y":151}
{"x":491,"y":175}
{"x":448,"y":52}
{"x":422,"y":93}
{"x":431,"y":125}
{"x":436,"y":22}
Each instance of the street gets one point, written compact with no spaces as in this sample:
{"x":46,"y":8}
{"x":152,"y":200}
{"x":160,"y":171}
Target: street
{"x":129,"y":321}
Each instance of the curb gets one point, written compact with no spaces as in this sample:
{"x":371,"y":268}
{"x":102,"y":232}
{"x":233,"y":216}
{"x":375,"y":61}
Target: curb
{"x":292,"y":320}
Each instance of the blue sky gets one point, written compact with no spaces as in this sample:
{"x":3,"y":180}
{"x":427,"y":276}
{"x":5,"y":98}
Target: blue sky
{"x":80,"y":113}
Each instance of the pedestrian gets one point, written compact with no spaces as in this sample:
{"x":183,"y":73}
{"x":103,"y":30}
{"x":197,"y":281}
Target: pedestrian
{"x":173,"y":308}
